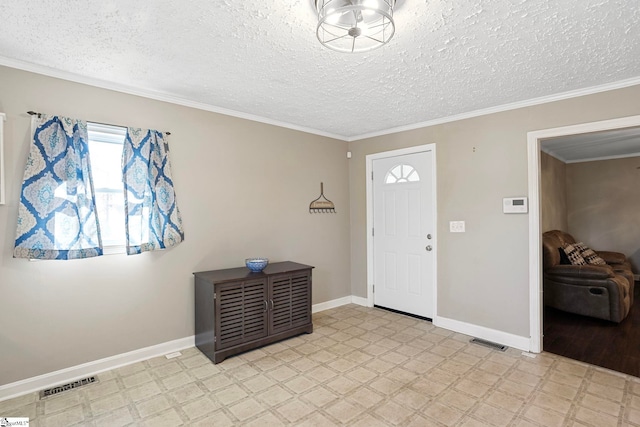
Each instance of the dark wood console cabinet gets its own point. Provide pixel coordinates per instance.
(237, 310)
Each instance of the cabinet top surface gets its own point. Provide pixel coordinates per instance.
(243, 273)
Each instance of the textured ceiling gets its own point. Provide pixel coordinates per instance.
(261, 59)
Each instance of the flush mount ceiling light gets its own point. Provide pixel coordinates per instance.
(355, 25)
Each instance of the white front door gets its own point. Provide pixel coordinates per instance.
(403, 234)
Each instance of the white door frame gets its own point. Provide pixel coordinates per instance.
(369, 169)
(535, 237)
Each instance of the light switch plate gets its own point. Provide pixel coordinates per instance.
(456, 226)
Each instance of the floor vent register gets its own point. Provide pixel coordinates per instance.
(69, 386)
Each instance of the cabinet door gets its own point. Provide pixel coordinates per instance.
(291, 296)
(241, 312)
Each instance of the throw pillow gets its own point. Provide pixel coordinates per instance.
(589, 254)
(573, 254)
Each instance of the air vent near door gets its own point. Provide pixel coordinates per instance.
(69, 386)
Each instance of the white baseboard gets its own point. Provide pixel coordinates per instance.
(327, 305)
(504, 338)
(30, 385)
(359, 301)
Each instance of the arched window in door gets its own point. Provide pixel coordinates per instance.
(401, 173)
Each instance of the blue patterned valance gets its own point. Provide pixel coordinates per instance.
(57, 214)
(152, 215)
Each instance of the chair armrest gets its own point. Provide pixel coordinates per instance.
(581, 271)
(612, 257)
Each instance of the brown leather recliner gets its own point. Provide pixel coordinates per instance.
(601, 291)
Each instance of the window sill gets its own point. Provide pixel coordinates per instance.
(106, 250)
(114, 250)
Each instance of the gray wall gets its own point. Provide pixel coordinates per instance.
(604, 205)
(243, 189)
(483, 274)
(553, 193)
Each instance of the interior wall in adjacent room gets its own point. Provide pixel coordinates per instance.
(553, 193)
(603, 205)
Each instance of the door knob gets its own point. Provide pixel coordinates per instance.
(429, 248)
(429, 236)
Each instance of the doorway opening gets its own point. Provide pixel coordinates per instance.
(562, 138)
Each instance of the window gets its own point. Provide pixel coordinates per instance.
(105, 148)
(402, 173)
(71, 164)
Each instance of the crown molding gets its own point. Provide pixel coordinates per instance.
(505, 107)
(157, 95)
(173, 99)
(585, 160)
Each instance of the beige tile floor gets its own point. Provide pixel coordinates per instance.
(360, 367)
